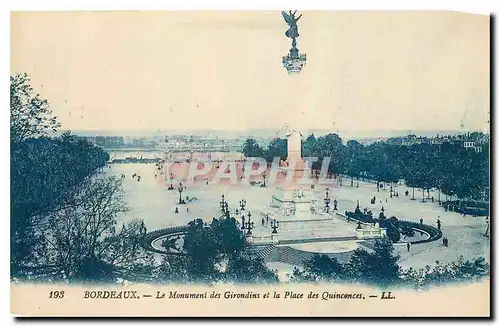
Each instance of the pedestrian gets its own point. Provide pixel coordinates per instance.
(439, 224)
(187, 209)
(262, 221)
(408, 246)
(176, 210)
(421, 221)
(432, 199)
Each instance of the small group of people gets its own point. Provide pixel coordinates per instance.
(177, 209)
(134, 175)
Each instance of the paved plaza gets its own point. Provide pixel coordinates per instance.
(149, 199)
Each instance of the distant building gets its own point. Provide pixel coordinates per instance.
(473, 141)
(412, 139)
(473, 146)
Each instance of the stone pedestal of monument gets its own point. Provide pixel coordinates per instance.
(293, 201)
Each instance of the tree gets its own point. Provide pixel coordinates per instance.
(392, 230)
(30, 115)
(330, 146)
(323, 268)
(277, 148)
(247, 269)
(378, 267)
(81, 242)
(46, 175)
(441, 274)
(215, 252)
(251, 149)
(203, 252)
(352, 162)
(308, 146)
(63, 210)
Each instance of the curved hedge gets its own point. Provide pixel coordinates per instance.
(147, 239)
(434, 233)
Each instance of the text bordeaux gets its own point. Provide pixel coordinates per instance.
(127, 295)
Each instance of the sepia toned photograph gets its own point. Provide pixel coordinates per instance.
(250, 163)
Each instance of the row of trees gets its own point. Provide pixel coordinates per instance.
(379, 267)
(448, 167)
(63, 207)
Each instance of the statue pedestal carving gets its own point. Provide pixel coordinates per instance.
(294, 64)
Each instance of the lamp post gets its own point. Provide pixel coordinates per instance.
(274, 226)
(264, 177)
(243, 203)
(250, 225)
(180, 189)
(243, 226)
(327, 201)
(222, 203)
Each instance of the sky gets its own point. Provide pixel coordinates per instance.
(365, 70)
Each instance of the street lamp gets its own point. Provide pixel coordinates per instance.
(274, 226)
(264, 177)
(243, 226)
(249, 225)
(243, 203)
(222, 201)
(180, 189)
(327, 201)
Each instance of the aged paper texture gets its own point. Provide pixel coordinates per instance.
(250, 163)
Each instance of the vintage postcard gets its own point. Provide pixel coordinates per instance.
(250, 163)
